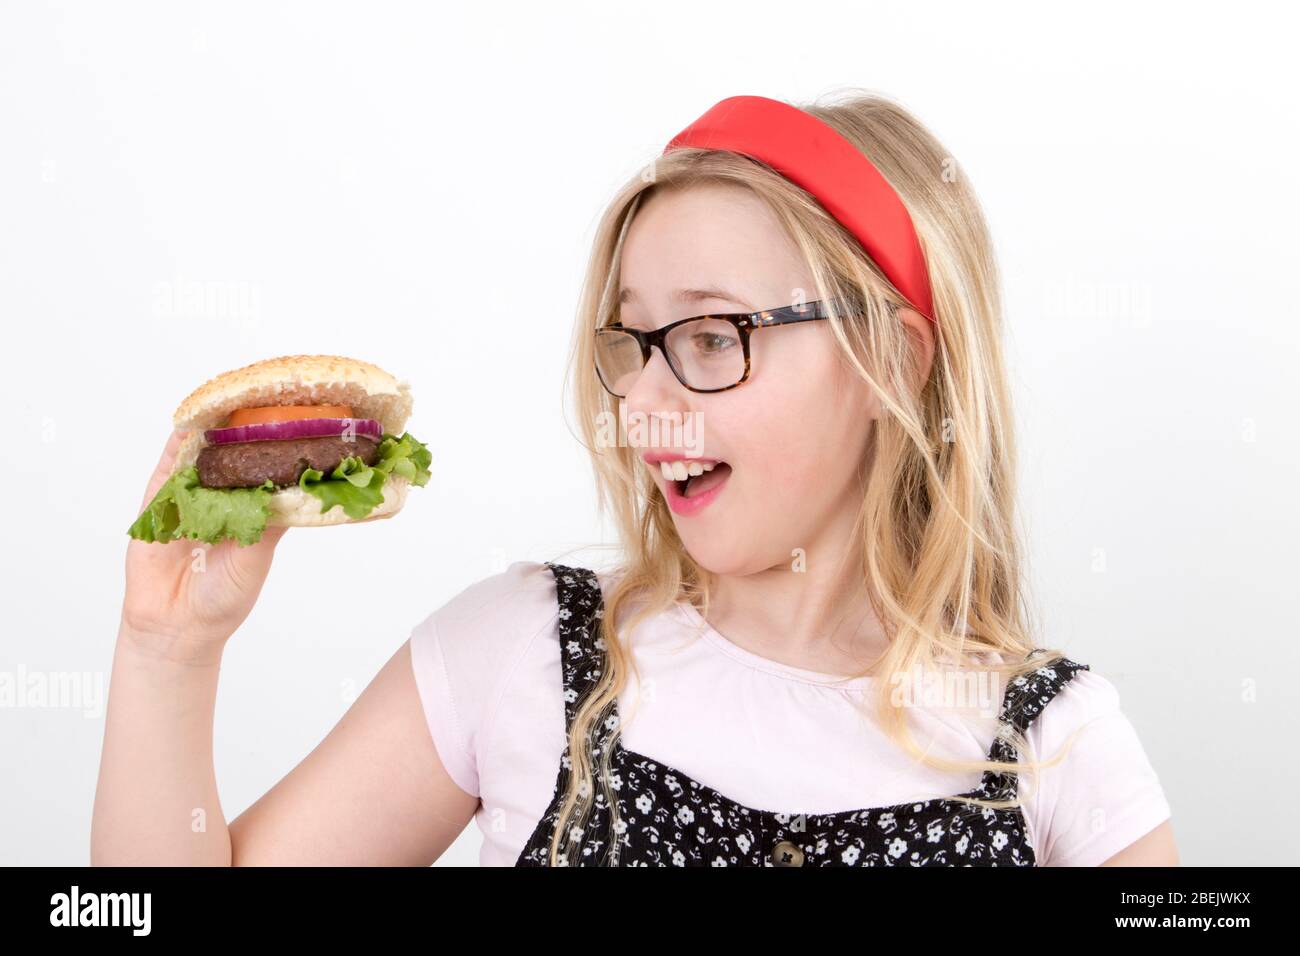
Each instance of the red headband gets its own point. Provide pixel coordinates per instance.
(817, 158)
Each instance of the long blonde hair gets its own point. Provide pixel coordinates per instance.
(937, 526)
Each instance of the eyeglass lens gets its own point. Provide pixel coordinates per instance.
(706, 354)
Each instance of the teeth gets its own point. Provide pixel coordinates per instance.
(680, 471)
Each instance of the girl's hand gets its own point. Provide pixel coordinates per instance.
(185, 598)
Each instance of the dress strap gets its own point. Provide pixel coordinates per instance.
(1025, 699)
(582, 656)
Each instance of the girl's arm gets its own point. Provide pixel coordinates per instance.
(374, 791)
(156, 801)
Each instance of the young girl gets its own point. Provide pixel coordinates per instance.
(814, 650)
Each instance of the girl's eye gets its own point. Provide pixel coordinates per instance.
(711, 343)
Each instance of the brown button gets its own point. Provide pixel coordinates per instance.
(786, 853)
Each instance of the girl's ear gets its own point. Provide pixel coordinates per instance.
(920, 331)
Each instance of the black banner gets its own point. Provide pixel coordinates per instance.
(308, 904)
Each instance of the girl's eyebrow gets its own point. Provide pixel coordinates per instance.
(693, 295)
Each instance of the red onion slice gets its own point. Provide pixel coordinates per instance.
(301, 428)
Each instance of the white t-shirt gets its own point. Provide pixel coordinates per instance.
(771, 736)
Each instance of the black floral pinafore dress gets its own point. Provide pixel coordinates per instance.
(665, 818)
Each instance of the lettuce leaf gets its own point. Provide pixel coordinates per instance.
(356, 487)
(183, 508)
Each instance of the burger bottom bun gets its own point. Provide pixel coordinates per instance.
(292, 507)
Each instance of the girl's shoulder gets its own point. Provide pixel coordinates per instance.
(1104, 793)
(503, 593)
(500, 614)
(487, 621)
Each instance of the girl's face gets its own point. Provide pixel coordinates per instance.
(794, 433)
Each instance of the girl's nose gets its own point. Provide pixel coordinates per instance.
(656, 388)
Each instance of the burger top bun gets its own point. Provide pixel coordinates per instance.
(299, 380)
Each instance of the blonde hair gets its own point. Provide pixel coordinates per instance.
(937, 526)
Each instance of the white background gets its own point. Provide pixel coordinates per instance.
(417, 185)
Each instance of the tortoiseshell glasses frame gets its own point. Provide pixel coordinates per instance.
(745, 323)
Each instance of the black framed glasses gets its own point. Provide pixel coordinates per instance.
(707, 353)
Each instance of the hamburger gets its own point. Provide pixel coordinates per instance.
(299, 441)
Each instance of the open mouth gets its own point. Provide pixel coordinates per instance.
(693, 479)
(693, 485)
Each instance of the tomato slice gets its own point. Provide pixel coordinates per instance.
(285, 413)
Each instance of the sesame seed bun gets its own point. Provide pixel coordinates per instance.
(301, 380)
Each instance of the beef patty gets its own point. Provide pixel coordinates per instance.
(247, 464)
